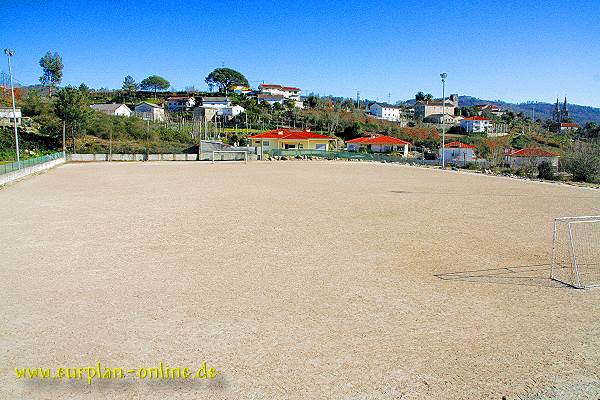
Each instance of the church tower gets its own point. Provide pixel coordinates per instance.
(556, 117)
(564, 113)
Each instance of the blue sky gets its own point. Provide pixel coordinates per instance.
(512, 50)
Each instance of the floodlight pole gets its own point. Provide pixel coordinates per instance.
(9, 53)
(443, 76)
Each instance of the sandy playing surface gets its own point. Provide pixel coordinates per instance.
(297, 280)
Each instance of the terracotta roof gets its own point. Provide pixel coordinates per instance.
(289, 134)
(533, 152)
(459, 145)
(476, 118)
(380, 139)
(569, 125)
(272, 86)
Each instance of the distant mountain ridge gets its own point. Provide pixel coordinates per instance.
(580, 114)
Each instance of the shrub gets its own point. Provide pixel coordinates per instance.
(546, 171)
(583, 162)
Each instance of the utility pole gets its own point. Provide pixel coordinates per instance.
(9, 53)
(443, 75)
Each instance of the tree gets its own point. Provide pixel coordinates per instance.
(420, 96)
(52, 67)
(224, 78)
(72, 107)
(154, 82)
(546, 171)
(428, 97)
(129, 86)
(32, 104)
(583, 162)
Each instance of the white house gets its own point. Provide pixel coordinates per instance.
(386, 112)
(149, 111)
(180, 103)
(458, 152)
(476, 124)
(215, 102)
(112, 109)
(531, 156)
(230, 112)
(7, 116)
(379, 144)
(288, 92)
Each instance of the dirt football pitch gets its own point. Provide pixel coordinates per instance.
(295, 280)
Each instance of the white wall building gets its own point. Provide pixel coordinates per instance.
(215, 102)
(386, 112)
(7, 116)
(180, 103)
(149, 112)
(230, 112)
(476, 124)
(113, 109)
(288, 92)
(530, 157)
(458, 152)
(271, 91)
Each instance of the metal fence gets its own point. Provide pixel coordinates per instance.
(30, 162)
(350, 155)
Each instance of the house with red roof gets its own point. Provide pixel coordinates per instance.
(379, 144)
(490, 108)
(286, 92)
(530, 156)
(291, 139)
(568, 127)
(458, 152)
(476, 124)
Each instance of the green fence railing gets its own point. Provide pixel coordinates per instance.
(350, 155)
(14, 166)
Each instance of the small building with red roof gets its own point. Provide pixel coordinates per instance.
(459, 152)
(379, 144)
(568, 126)
(476, 124)
(291, 139)
(530, 156)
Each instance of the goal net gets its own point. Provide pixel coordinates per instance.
(576, 251)
(229, 155)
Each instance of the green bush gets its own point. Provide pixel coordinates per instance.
(546, 171)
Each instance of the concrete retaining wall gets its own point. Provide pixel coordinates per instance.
(16, 175)
(138, 157)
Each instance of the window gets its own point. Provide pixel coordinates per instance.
(300, 146)
(321, 147)
(265, 143)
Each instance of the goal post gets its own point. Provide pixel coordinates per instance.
(229, 155)
(576, 251)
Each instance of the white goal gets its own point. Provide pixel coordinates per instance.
(229, 155)
(576, 251)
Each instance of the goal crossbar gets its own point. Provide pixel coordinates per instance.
(244, 154)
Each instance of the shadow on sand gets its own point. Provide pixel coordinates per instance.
(523, 275)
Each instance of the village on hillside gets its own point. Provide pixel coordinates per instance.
(279, 121)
